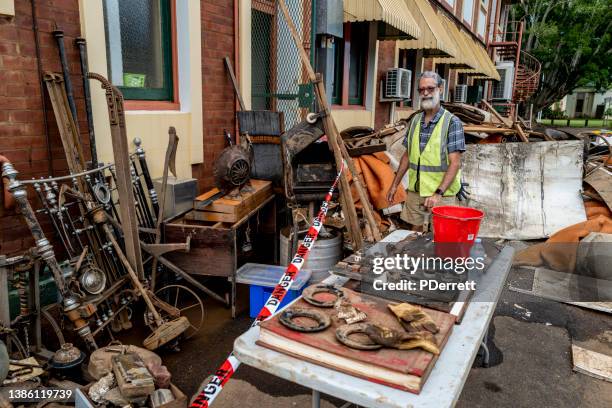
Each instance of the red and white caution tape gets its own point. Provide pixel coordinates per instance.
(208, 394)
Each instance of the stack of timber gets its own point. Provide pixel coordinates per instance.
(232, 208)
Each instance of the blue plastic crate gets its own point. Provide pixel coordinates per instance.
(262, 279)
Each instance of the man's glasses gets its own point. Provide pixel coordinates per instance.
(429, 89)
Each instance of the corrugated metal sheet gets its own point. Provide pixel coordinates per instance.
(434, 39)
(393, 12)
(463, 58)
(485, 65)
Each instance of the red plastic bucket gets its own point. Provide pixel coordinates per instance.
(454, 224)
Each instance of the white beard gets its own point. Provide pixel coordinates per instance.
(431, 103)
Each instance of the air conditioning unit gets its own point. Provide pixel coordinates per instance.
(502, 90)
(444, 91)
(461, 93)
(475, 93)
(398, 82)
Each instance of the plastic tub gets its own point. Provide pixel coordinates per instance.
(262, 279)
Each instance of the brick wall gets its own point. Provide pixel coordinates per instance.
(22, 130)
(386, 60)
(218, 94)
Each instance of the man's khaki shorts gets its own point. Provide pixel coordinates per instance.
(413, 210)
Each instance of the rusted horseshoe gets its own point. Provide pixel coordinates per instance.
(309, 294)
(343, 333)
(323, 320)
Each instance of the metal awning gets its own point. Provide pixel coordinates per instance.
(395, 13)
(485, 65)
(434, 40)
(463, 57)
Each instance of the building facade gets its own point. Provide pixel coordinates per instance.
(167, 56)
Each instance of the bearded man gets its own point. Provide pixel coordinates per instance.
(434, 142)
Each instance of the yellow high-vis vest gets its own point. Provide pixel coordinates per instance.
(428, 167)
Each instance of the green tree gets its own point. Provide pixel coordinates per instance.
(573, 41)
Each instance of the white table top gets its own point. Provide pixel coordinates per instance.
(446, 380)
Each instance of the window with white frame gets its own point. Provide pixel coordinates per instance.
(468, 11)
(450, 3)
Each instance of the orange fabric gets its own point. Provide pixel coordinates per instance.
(563, 257)
(595, 208)
(377, 175)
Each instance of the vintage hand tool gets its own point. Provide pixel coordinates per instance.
(82, 45)
(164, 332)
(129, 224)
(169, 164)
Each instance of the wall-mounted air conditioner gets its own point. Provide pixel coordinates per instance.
(460, 93)
(398, 82)
(502, 90)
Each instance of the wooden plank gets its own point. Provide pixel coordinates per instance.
(231, 210)
(207, 195)
(210, 216)
(499, 117)
(592, 363)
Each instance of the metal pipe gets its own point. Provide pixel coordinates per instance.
(41, 83)
(59, 37)
(82, 45)
(70, 176)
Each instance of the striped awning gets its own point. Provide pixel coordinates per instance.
(392, 12)
(485, 65)
(463, 58)
(434, 39)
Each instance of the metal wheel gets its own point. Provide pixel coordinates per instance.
(14, 347)
(187, 302)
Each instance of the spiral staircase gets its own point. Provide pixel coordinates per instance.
(506, 43)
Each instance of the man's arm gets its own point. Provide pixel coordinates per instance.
(401, 170)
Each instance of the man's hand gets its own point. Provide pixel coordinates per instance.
(432, 201)
(391, 194)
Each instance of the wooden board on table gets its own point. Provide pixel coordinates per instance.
(403, 369)
(229, 209)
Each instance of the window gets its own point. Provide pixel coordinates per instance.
(139, 48)
(357, 63)
(450, 3)
(350, 60)
(468, 11)
(338, 71)
(408, 60)
(482, 23)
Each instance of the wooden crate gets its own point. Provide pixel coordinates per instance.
(227, 209)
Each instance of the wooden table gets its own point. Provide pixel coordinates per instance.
(214, 250)
(444, 385)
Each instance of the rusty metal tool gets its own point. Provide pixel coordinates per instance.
(129, 224)
(169, 164)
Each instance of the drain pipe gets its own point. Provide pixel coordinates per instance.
(41, 84)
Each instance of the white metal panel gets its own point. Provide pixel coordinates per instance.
(527, 190)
